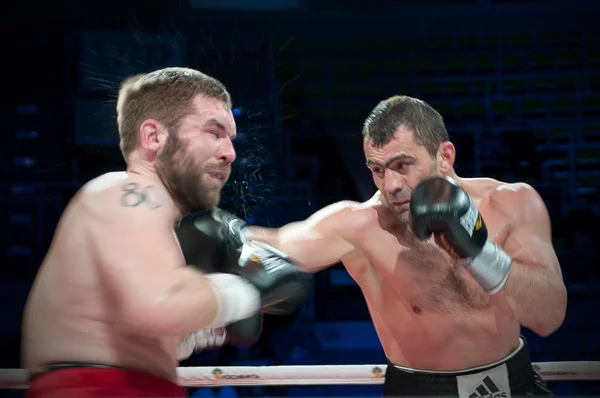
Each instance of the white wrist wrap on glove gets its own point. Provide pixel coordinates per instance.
(270, 249)
(268, 256)
(200, 340)
(490, 267)
(238, 299)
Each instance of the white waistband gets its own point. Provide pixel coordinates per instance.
(490, 365)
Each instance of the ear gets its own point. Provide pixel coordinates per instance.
(446, 156)
(152, 136)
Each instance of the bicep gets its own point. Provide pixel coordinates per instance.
(527, 247)
(530, 238)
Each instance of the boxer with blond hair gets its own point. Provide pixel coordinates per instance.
(114, 306)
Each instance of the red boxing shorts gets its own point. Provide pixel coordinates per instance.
(97, 382)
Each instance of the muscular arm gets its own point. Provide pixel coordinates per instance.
(316, 243)
(534, 292)
(143, 270)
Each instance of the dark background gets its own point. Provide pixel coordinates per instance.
(517, 82)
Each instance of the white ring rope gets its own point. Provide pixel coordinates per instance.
(315, 374)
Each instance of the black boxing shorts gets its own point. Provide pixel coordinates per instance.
(512, 377)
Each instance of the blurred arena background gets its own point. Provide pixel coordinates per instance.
(518, 83)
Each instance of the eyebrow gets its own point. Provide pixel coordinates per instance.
(395, 158)
(215, 123)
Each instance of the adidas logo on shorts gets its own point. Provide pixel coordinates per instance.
(487, 389)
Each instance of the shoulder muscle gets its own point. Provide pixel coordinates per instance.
(522, 204)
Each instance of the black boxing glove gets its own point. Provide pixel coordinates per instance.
(210, 237)
(208, 253)
(284, 288)
(439, 206)
(246, 332)
(214, 242)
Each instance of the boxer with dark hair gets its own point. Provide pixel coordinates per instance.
(450, 267)
(114, 305)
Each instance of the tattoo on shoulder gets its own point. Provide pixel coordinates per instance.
(133, 195)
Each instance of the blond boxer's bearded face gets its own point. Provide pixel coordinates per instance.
(397, 168)
(195, 161)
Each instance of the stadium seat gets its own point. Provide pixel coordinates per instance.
(396, 67)
(591, 133)
(561, 107)
(368, 68)
(456, 89)
(567, 84)
(551, 38)
(438, 43)
(503, 109)
(311, 66)
(568, 60)
(594, 57)
(541, 61)
(455, 65)
(514, 86)
(543, 84)
(341, 66)
(484, 63)
(467, 42)
(489, 42)
(533, 108)
(521, 41)
(562, 135)
(428, 89)
(472, 110)
(426, 66)
(591, 106)
(384, 45)
(513, 62)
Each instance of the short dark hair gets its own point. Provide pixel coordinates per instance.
(425, 122)
(166, 95)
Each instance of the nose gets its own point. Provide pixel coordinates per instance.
(227, 152)
(393, 182)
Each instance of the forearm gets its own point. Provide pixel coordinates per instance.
(531, 292)
(303, 246)
(184, 303)
(195, 301)
(270, 236)
(533, 296)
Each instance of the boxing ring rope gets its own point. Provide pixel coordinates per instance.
(316, 374)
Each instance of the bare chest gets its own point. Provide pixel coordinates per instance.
(419, 273)
(433, 281)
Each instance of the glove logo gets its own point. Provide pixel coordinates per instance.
(479, 223)
(447, 246)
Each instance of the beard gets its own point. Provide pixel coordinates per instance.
(183, 178)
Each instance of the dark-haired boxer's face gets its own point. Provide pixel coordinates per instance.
(397, 168)
(195, 161)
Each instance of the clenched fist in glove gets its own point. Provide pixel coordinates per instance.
(214, 241)
(440, 207)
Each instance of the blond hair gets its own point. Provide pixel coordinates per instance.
(165, 95)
